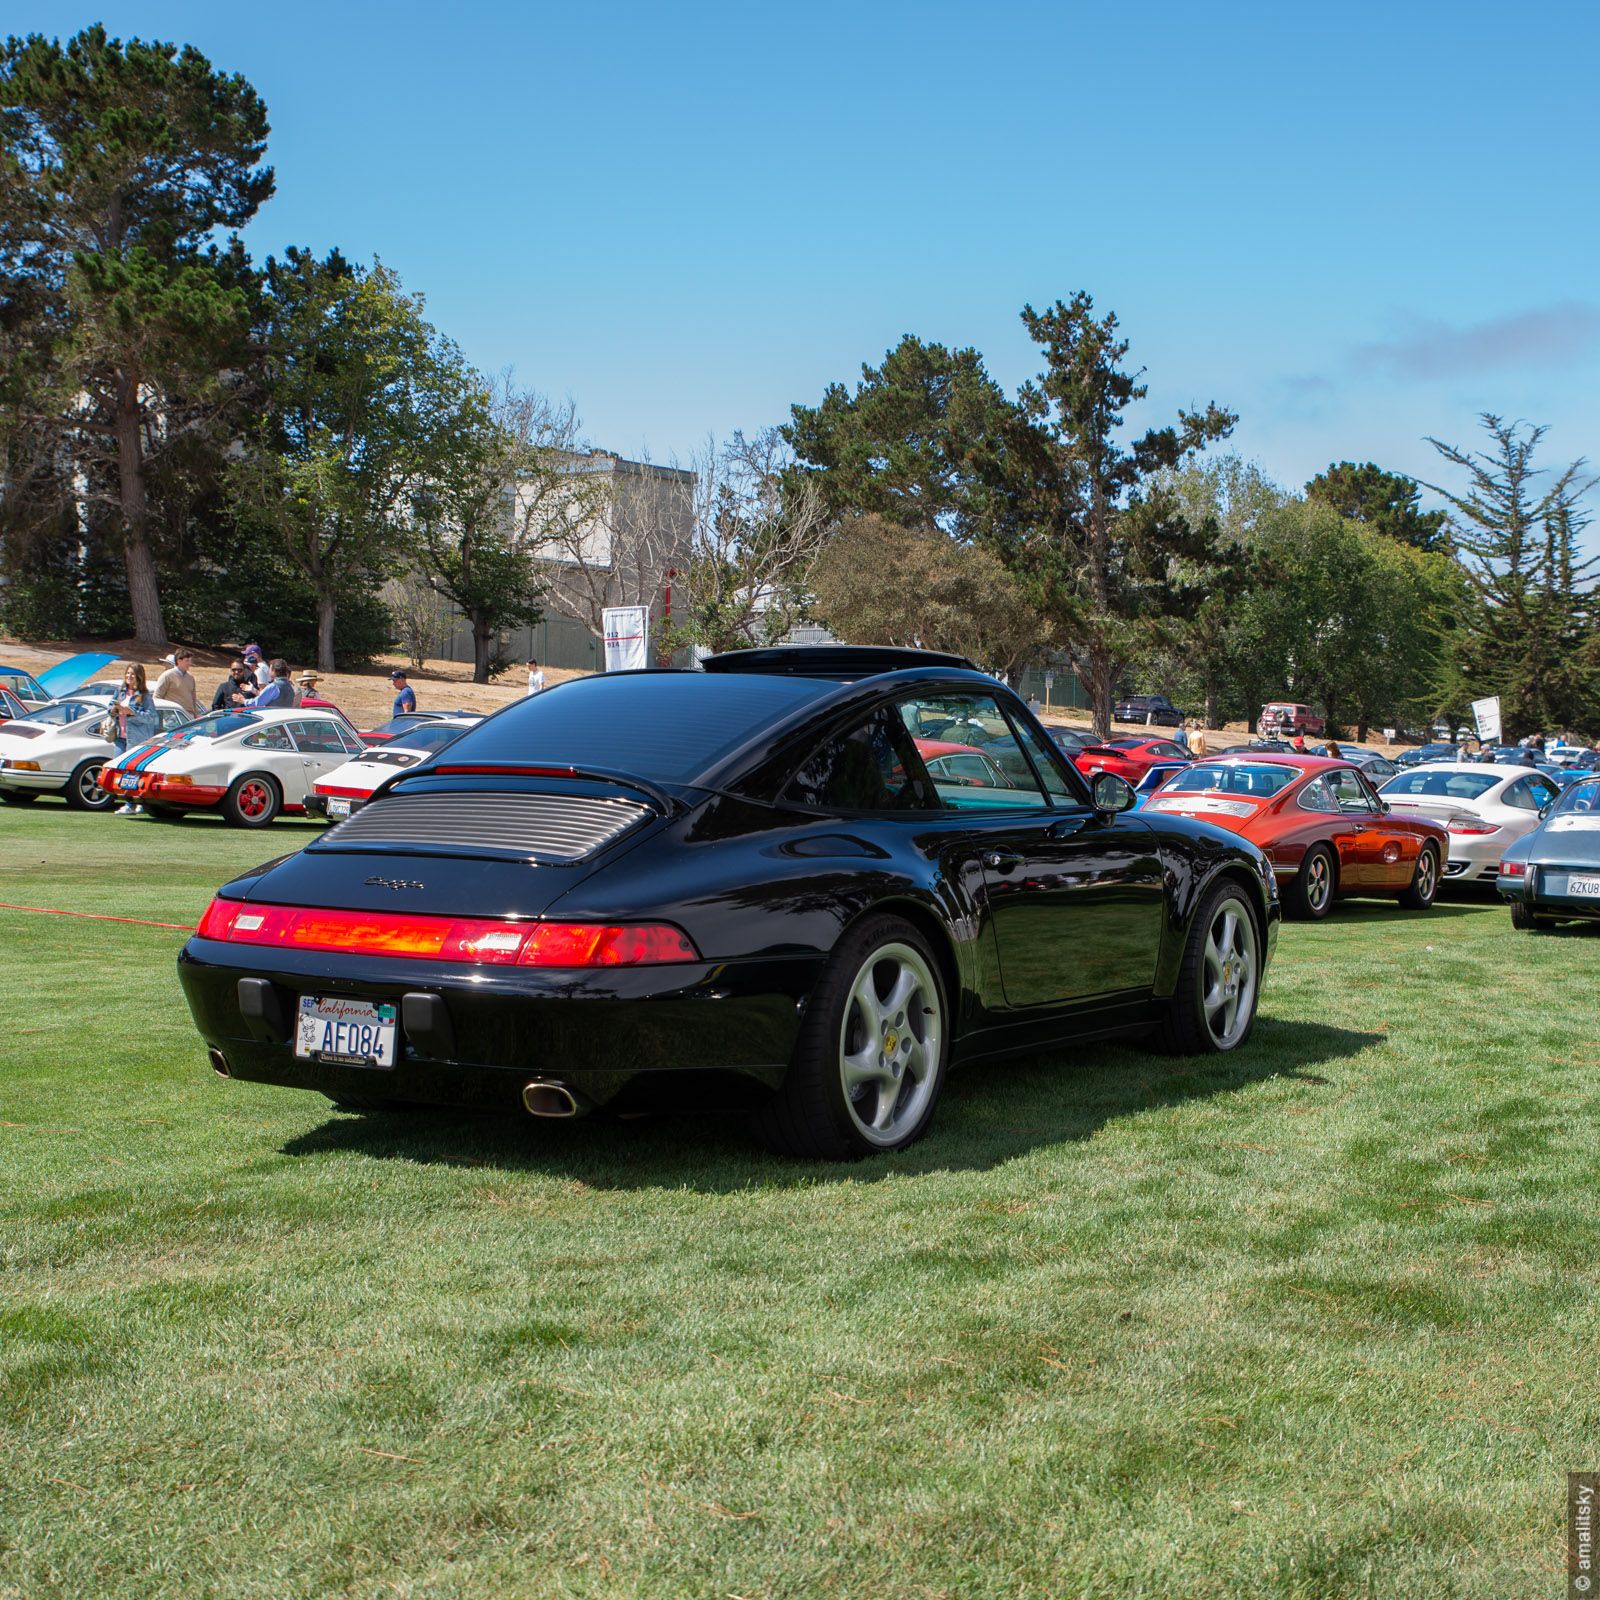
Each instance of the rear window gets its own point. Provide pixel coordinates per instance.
(1444, 785)
(1232, 777)
(667, 726)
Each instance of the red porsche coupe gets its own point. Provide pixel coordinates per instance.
(1322, 825)
(1129, 758)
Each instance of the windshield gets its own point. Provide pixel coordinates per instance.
(1443, 785)
(1582, 796)
(61, 712)
(212, 727)
(1256, 779)
(667, 726)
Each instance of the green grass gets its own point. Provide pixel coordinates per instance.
(1315, 1322)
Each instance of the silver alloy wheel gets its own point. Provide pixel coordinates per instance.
(890, 1043)
(1425, 873)
(1232, 969)
(1319, 881)
(89, 790)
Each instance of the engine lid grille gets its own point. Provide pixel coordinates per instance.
(557, 829)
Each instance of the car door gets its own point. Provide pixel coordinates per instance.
(1074, 901)
(1351, 826)
(1386, 844)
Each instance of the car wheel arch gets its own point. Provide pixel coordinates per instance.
(933, 929)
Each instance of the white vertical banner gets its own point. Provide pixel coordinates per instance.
(1486, 713)
(627, 636)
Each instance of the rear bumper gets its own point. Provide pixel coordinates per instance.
(317, 806)
(1533, 889)
(717, 1031)
(34, 782)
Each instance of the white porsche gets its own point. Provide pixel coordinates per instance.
(57, 749)
(347, 788)
(249, 765)
(1483, 809)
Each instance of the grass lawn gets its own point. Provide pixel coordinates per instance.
(1316, 1322)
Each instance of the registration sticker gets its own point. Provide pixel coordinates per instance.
(347, 1033)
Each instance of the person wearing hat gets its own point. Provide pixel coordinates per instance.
(405, 696)
(307, 684)
(257, 663)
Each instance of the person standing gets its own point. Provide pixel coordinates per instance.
(279, 694)
(177, 683)
(237, 687)
(405, 698)
(134, 711)
(307, 683)
(257, 664)
(535, 677)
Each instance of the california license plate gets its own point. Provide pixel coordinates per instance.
(338, 810)
(128, 780)
(347, 1033)
(1583, 888)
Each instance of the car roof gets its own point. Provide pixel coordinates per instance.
(843, 663)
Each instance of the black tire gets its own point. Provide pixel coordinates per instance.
(1419, 894)
(1526, 920)
(1310, 895)
(18, 797)
(83, 789)
(1213, 1008)
(857, 1010)
(252, 800)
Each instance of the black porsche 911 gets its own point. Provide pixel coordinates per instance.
(740, 887)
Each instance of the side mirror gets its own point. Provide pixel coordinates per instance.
(1544, 810)
(1111, 794)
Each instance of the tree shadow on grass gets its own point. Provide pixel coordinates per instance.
(991, 1113)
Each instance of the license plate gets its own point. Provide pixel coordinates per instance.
(1584, 888)
(347, 1033)
(128, 780)
(339, 809)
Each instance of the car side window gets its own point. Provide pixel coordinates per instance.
(172, 719)
(872, 767)
(317, 737)
(1528, 794)
(1318, 796)
(975, 724)
(1350, 792)
(275, 737)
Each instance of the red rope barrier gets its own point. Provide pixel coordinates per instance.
(98, 916)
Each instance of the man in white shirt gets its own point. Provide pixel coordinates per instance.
(535, 677)
(258, 665)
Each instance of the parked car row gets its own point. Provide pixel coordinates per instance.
(248, 765)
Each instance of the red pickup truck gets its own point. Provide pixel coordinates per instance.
(1284, 718)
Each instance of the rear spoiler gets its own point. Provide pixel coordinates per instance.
(844, 663)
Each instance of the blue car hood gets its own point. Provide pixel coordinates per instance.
(72, 673)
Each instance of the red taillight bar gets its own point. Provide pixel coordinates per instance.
(429, 938)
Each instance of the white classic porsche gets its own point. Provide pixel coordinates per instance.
(57, 749)
(347, 788)
(249, 765)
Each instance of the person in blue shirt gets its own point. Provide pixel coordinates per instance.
(405, 697)
(279, 692)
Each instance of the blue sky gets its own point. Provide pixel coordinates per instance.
(1356, 225)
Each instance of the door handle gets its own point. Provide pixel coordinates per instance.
(1002, 861)
(1066, 827)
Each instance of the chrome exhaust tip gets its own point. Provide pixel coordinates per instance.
(546, 1099)
(219, 1063)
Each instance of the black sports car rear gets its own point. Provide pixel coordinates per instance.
(739, 885)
